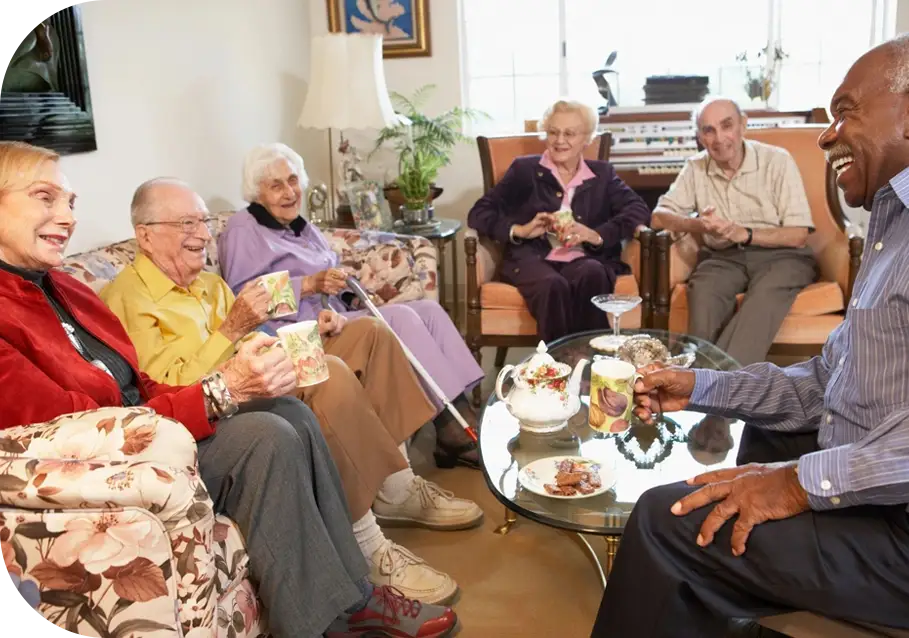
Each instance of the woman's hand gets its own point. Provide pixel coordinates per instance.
(330, 282)
(251, 374)
(577, 233)
(330, 323)
(535, 227)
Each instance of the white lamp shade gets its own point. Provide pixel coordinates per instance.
(347, 84)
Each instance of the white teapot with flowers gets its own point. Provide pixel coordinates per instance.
(545, 394)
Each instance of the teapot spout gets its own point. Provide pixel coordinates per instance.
(574, 382)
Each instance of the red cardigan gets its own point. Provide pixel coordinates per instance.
(43, 376)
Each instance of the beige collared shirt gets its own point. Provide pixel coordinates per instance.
(766, 192)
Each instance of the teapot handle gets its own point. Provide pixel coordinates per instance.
(501, 379)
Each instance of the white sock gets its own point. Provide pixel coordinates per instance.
(396, 487)
(368, 534)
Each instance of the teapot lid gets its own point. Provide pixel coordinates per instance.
(542, 364)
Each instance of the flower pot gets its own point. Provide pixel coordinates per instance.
(396, 200)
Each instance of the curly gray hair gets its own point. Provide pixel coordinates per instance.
(258, 166)
(898, 73)
(587, 113)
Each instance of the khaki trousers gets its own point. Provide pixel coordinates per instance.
(770, 278)
(371, 403)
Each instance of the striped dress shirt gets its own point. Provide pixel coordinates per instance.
(856, 393)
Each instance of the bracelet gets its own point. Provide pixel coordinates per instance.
(223, 404)
(511, 235)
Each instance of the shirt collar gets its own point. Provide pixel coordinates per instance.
(900, 185)
(584, 172)
(158, 283)
(264, 218)
(749, 162)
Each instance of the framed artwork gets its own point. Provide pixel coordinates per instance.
(403, 24)
(368, 205)
(45, 97)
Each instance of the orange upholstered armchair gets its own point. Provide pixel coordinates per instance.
(496, 313)
(837, 246)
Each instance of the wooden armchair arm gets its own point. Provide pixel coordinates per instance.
(662, 288)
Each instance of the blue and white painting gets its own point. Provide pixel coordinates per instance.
(401, 23)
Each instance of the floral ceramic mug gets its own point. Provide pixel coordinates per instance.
(611, 395)
(283, 300)
(302, 343)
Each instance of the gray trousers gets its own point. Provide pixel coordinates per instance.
(269, 469)
(770, 278)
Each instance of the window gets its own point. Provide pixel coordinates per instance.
(521, 54)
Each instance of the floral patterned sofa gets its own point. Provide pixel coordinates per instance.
(105, 525)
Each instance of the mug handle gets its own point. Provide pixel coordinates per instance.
(501, 379)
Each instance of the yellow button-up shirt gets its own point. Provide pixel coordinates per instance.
(174, 329)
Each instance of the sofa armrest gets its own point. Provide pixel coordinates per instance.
(72, 567)
(396, 268)
(105, 434)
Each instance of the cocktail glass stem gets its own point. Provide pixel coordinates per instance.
(616, 316)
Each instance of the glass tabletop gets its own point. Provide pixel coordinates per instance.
(681, 445)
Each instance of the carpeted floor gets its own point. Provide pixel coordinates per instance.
(536, 582)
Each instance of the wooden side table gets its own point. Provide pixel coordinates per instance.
(446, 233)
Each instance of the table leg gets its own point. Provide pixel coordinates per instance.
(596, 560)
(612, 546)
(440, 251)
(510, 519)
(456, 311)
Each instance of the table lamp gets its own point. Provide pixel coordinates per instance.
(346, 91)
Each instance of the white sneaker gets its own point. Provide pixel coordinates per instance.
(397, 567)
(428, 505)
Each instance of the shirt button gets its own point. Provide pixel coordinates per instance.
(835, 500)
(855, 302)
(842, 361)
(826, 485)
(829, 418)
(559, 194)
(878, 246)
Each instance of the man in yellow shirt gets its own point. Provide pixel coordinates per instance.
(184, 322)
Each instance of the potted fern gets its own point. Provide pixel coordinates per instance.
(423, 147)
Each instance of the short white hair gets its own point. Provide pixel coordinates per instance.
(145, 206)
(713, 99)
(258, 164)
(898, 73)
(565, 105)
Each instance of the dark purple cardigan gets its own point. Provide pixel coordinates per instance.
(605, 204)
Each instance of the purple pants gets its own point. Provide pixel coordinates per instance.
(430, 335)
(558, 294)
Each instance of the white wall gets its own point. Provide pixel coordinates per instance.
(462, 181)
(183, 88)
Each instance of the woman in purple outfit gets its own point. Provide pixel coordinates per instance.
(271, 235)
(557, 273)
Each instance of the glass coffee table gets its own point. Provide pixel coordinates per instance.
(681, 445)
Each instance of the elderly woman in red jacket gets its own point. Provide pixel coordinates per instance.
(558, 265)
(261, 455)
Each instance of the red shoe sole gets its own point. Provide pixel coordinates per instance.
(381, 633)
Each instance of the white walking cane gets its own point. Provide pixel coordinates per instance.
(358, 290)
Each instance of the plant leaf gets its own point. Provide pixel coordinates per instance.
(19, 551)
(139, 581)
(106, 424)
(93, 619)
(164, 476)
(10, 483)
(63, 598)
(121, 605)
(73, 578)
(11, 446)
(197, 511)
(139, 626)
(35, 530)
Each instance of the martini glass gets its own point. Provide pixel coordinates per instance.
(616, 306)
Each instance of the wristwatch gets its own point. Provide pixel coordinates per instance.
(747, 242)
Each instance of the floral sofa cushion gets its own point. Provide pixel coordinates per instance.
(395, 268)
(108, 530)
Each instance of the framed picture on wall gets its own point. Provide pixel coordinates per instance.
(403, 24)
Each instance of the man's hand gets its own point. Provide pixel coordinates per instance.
(540, 223)
(330, 323)
(250, 310)
(330, 281)
(250, 375)
(756, 492)
(661, 390)
(577, 233)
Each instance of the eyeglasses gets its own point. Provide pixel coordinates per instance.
(569, 134)
(188, 225)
